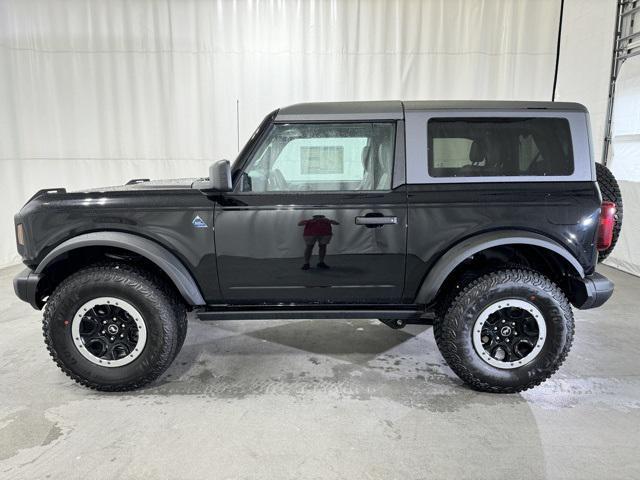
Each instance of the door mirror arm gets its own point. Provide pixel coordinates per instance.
(219, 180)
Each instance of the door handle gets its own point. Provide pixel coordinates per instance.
(376, 220)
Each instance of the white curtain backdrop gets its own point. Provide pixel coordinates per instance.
(95, 92)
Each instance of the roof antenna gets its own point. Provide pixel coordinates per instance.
(555, 74)
(238, 122)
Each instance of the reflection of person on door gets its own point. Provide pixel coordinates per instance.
(316, 229)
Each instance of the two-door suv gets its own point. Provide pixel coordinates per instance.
(482, 218)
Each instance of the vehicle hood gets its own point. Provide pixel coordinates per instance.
(173, 183)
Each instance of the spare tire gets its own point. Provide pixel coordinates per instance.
(610, 191)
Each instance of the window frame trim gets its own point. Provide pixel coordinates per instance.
(417, 146)
(397, 149)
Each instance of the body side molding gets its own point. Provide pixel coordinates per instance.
(463, 250)
(160, 256)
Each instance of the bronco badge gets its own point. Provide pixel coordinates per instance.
(198, 222)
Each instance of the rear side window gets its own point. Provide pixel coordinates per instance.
(496, 147)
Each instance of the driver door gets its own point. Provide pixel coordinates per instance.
(313, 218)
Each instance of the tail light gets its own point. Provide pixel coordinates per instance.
(606, 224)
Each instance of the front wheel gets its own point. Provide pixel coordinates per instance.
(113, 327)
(507, 331)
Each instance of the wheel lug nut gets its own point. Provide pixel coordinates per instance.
(495, 328)
(503, 321)
(103, 332)
(104, 321)
(122, 335)
(507, 339)
(113, 338)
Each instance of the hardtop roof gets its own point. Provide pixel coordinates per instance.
(394, 109)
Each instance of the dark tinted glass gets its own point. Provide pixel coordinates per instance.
(494, 147)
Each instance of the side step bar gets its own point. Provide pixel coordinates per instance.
(410, 316)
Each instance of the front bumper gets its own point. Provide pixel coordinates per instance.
(25, 284)
(593, 290)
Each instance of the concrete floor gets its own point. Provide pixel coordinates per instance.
(323, 399)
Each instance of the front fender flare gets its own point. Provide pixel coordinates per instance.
(152, 251)
(463, 250)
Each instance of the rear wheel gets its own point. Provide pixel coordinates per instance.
(507, 331)
(113, 327)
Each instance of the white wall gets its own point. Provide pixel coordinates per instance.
(95, 93)
(585, 60)
(625, 164)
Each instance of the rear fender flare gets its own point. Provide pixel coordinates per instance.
(463, 250)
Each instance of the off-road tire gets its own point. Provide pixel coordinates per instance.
(453, 331)
(163, 313)
(610, 191)
(180, 314)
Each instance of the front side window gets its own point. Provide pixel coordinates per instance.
(322, 157)
(494, 147)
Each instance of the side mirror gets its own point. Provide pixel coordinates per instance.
(219, 178)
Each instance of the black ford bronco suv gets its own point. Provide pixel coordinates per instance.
(484, 219)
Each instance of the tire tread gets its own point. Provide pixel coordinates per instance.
(446, 329)
(154, 289)
(610, 191)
